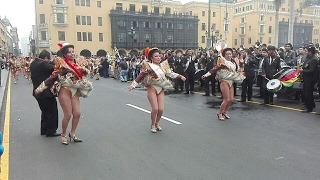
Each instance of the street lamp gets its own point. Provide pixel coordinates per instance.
(206, 34)
(132, 33)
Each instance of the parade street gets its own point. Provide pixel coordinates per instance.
(258, 142)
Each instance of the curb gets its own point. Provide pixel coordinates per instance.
(4, 79)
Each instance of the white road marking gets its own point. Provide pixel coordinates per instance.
(165, 118)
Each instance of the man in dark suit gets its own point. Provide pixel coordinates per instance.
(189, 71)
(271, 65)
(40, 70)
(249, 65)
(178, 68)
(309, 72)
(211, 62)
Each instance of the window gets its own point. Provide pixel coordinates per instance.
(169, 25)
(203, 39)
(119, 6)
(191, 27)
(190, 13)
(249, 41)
(99, 4)
(213, 27)
(79, 36)
(283, 9)
(42, 19)
(121, 23)
(168, 10)
(122, 37)
(270, 29)
(270, 18)
(261, 39)
(242, 41)
(243, 20)
(144, 8)
(99, 21)
(146, 24)
(78, 21)
(60, 18)
(203, 26)
(59, 2)
(269, 40)
(226, 27)
(261, 28)
(61, 35)
(135, 24)
(242, 31)
(88, 3)
(132, 8)
(101, 37)
(83, 2)
(88, 20)
(235, 30)
(147, 38)
(158, 37)
(156, 10)
(77, 2)
(203, 13)
(261, 17)
(43, 35)
(83, 20)
(84, 36)
(235, 42)
(40, 1)
(180, 26)
(249, 28)
(89, 36)
(158, 25)
(213, 14)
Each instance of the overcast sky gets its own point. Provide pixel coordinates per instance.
(21, 14)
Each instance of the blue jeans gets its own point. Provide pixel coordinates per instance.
(123, 75)
(105, 72)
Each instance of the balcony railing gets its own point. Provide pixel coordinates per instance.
(43, 26)
(44, 44)
(142, 45)
(61, 24)
(261, 22)
(134, 13)
(59, 5)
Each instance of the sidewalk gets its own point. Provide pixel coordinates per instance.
(4, 79)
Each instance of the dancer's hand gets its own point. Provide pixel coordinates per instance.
(36, 92)
(130, 88)
(183, 78)
(203, 77)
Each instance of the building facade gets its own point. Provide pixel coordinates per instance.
(95, 27)
(9, 38)
(3, 39)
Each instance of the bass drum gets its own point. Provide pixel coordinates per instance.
(274, 86)
(198, 74)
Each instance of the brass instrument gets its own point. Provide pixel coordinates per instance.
(221, 44)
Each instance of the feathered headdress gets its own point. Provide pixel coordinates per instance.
(146, 52)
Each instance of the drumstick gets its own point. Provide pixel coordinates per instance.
(278, 72)
(267, 78)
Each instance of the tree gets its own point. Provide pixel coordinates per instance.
(277, 4)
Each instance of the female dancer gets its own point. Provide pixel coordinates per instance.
(153, 76)
(227, 75)
(69, 83)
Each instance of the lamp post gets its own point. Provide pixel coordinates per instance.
(132, 33)
(207, 35)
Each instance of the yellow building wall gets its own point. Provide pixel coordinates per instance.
(3, 39)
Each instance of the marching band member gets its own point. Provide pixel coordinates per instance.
(226, 73)
(189, 71)
(271, 65)
(27, 68)
(69, 83)
(153, 76)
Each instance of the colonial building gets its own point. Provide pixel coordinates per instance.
(9, 38)
(95, 27)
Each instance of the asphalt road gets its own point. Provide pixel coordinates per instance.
(257, 143)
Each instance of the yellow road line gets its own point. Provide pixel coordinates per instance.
(4, 175)
(255, 102)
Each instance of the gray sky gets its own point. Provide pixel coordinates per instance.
(21, 14)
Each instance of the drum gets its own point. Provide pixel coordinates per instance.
(274, 85)
(284, 73)
(198, 74)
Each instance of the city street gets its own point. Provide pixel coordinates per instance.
(258, 142)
